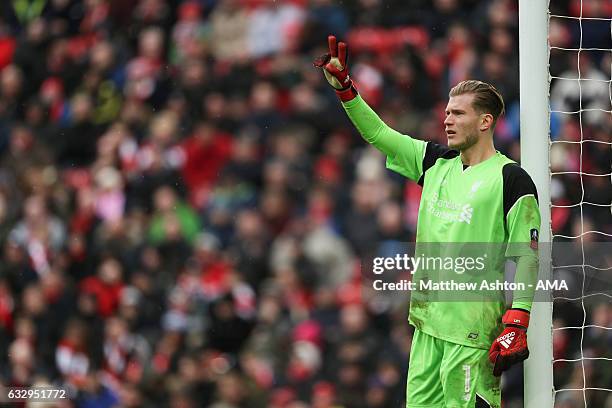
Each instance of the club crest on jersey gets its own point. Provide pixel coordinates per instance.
(534, 238)
(476, 186)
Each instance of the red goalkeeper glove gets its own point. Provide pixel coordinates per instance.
(510, 347)
(335, 67)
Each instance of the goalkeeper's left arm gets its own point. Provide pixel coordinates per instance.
(523, 226)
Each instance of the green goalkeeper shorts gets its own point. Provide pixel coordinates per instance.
(448, 375)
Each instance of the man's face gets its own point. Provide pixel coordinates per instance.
(462, 122)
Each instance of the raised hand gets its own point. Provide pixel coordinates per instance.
(335, 64)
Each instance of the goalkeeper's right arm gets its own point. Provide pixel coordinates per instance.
(405, 155)
(372, 128)
(367, 122)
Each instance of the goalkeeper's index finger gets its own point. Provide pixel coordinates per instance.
(333, 49)
(342, 54)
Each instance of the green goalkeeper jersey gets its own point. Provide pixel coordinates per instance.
(493, 202)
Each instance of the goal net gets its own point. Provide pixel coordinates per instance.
(580, 62)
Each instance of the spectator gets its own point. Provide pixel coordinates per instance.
(172, 217)
(229, 31)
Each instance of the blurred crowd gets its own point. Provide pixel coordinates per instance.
(184, 206)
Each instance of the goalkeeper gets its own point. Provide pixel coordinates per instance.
(471, 193)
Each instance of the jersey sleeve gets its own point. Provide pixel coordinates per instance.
(522, 217)
(405, 155)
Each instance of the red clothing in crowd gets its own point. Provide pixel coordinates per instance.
(72, 361)
(7, 48)
(106, 295)
(204, 159)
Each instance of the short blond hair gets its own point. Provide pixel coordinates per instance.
(487, 99)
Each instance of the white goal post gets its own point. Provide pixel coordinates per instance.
(535, 147)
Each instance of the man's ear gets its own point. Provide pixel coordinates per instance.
(486, 121)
